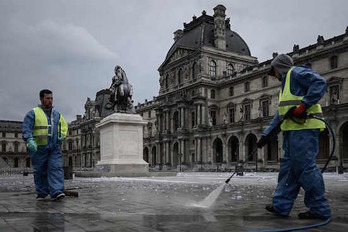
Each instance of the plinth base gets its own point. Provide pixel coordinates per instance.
(123, 168)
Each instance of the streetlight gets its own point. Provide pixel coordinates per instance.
(180, 155)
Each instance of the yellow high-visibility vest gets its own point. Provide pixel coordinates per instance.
(40, 130)
(288, 100)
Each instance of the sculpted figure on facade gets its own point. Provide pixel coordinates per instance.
(121, 92)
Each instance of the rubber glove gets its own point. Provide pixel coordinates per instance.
(61, 139)
(31, 144)
(262, 142)
(300, 111)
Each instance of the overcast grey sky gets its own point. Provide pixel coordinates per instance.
(72, 46)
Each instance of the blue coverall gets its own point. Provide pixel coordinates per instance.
(47, 160)
(298, 166)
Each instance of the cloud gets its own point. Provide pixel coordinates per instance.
(61, 57)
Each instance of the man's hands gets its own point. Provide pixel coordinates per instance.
(298, 112)
(61, 139)
(262, 142)
(31, 144)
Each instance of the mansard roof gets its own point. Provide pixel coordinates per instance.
(200, 32)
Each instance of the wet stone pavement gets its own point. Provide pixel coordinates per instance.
(161, 204)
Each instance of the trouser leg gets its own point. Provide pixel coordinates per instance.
(287, 188)
(55, 172)
(306, 142)
(39, 162)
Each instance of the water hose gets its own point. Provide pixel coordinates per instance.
(322, 170)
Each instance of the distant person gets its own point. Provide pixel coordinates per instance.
(302, 88)
(44, 130)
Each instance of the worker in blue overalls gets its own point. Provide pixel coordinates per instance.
(302, 88)
(44, 130)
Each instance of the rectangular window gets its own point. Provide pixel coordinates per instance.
(265, 108)
(213, 117)
(231, 91)
(247, 112)
(16, 135)
(3, 147)
(16, 147)
(149, 114)
(334, 94)
(333, 62)
(3, 134)
(231, 114)
(193, 121)
(212, 94)
(247, 86)
(265, 81)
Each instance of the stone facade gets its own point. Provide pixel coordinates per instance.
(13, 149)
(214, 100)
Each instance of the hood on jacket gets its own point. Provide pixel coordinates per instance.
(282, 63)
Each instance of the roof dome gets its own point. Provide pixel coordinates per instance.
(200, 32)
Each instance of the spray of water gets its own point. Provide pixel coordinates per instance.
(211, 198)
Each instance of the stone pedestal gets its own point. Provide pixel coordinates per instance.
(121, 145)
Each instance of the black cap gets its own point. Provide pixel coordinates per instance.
(271, 72)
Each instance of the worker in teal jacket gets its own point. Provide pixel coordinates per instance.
(302, 88)
(44, 130)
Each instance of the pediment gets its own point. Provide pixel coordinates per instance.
(335, 80)
(178, 54)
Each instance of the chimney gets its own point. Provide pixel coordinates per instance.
(177, 34)
(220, 27)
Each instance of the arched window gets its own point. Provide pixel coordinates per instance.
(16, 162)
(27, 162)
(180, 77)
(194, 71)
(16, 146)
(212, 69)
(230, 69)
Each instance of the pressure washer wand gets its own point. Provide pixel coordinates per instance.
(275, 130)
(251, 154)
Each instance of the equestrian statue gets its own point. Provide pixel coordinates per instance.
(121, 92)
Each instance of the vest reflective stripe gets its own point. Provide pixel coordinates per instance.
(288, 100)
(40, 130)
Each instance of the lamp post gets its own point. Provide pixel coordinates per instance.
(180, 155)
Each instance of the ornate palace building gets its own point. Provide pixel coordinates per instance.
(214, 101)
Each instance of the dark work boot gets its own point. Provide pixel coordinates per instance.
(271, 209)
(309, 215)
